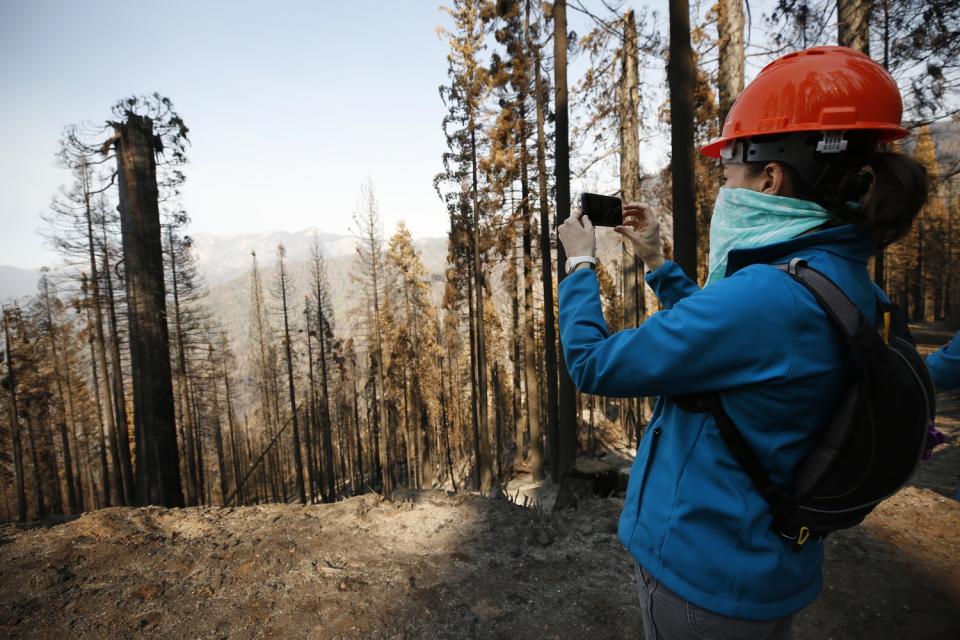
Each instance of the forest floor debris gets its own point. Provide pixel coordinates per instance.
(434, 565)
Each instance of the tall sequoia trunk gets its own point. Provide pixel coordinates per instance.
(15, 423)
(731, 54)
(681, 78)
(853, 24)
(157, 474)
(564, 435)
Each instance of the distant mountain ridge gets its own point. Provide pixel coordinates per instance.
(224, 257)
(225, 262)
(16, 282)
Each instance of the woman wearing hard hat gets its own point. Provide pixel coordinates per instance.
(804, 178)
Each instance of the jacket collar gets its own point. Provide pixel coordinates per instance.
(844, 241)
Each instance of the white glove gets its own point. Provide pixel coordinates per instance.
(642, 228)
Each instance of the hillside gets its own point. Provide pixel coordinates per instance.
(229, 257)
(432, 565)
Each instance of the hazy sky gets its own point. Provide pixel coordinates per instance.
(291, 105)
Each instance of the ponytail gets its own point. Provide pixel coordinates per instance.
(896, 196)
(881, 193)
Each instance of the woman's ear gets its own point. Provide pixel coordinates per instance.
(774, 180)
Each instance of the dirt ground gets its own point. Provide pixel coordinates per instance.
(431, 565)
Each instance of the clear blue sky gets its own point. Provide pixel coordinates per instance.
(291, 105)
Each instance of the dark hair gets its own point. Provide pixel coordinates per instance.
(895, 187)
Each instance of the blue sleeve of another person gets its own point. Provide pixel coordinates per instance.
(944, 365)
(707, 340)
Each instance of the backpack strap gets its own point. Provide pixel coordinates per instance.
(742, 452)
(834, 301)
(846, 316)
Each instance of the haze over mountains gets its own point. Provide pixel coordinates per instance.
(16, 282)
(225, 262)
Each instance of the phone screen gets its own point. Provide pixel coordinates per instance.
(604, 211)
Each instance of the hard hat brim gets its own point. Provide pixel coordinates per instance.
(887, 132)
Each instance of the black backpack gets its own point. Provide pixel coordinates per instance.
(874, 441)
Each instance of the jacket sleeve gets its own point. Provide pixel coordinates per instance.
(720, 337)
(671, 284)
(944, 365)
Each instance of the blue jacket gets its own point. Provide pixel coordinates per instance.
(944, 365)
(692, 517)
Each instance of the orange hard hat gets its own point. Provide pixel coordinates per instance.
(818, 89)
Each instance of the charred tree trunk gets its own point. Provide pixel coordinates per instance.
(104, 469)
(231, 423)
(119, 397)
(681, 78)
(193, 488)
(531, 374)
(107, 400)
(634, 301)
(731, 52)
(297, 456)
(485, 465)
(312, 420)
(157, 476)
(853, 24)
(15, 422)
(565, 435)
(39, 502)
(519, 429)
(630, 164)
(62, 416)
(546, 259)
(331, 492)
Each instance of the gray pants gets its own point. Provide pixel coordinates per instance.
(667, 616)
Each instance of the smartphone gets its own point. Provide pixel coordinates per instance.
(604, 211)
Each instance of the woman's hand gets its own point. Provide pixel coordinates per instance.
(578, 236)
(642, 228)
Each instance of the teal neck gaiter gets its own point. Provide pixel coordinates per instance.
(745, 219)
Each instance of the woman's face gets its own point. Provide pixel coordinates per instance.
(771, 179)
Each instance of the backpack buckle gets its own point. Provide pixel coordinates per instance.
(795, 265)
(802, 537)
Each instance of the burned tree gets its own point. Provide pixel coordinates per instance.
(136, 143)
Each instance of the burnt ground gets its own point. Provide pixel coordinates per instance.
(432, 565)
